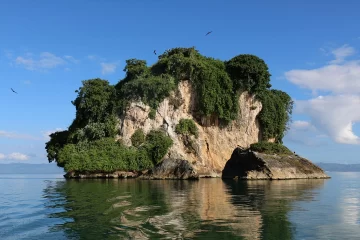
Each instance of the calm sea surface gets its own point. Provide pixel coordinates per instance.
(50, 207)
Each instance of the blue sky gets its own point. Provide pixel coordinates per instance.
(48, 47)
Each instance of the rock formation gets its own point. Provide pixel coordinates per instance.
(117, 174)
(172, 169)
(209, 152)
(245, 164)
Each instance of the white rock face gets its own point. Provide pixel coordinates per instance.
(214, 145)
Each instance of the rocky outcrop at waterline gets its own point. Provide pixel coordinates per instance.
(246, 164)
(243, 164)
(166, 169)
(116, 174)
(172, 169)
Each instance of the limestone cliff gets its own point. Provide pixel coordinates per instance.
(209, 152)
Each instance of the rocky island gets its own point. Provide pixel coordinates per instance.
(181, 118)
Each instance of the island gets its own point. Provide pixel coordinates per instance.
(180, 118)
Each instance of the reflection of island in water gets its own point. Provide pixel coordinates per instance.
(205, 209)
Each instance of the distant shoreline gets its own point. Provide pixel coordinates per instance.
(30, 168)
(339, 167)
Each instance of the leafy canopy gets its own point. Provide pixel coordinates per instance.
(108, 155)
(249, 73)
(270, 148)
(95, 102)
(275, 114)
(187, 127)
(138, 137)
(95, 118)
(208, 76)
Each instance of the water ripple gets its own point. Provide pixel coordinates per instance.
(41, 208)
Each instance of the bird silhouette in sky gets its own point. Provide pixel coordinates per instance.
(155, 52)
(208, 33)
(13, 90)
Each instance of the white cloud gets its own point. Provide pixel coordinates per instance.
(67, 69)
(17, 156)
(335, 113)
(107, 68)
(71, 59)
(341, 53)
(14, 156)
(305, 133)
(16, 135)
(335, 78)
(46, 60)
(46, 134)
(301, 125)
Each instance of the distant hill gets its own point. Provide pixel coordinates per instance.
(338, 167)
(26, 168)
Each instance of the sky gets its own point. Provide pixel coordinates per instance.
(311, 47)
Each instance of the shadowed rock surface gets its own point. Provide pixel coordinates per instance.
(245, 164)
(172, 169)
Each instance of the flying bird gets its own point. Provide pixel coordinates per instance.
(155, 52)
(13, 90)
(208, 33)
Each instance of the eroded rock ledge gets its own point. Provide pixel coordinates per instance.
(245, 164)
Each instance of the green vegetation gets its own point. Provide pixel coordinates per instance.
(152, 114)
(96, 102)
(187, 127)
(149, 89)
(57, 141)
(217, 85)
(270, 148)
(89, 144)
(214, 88)
(138, 137)
(249, 73)
(157, 145)
(275, 114)
(107, 155)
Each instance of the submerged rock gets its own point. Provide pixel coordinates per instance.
(245, 164)
(172, 169)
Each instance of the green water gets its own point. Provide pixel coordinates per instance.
(48, 208)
